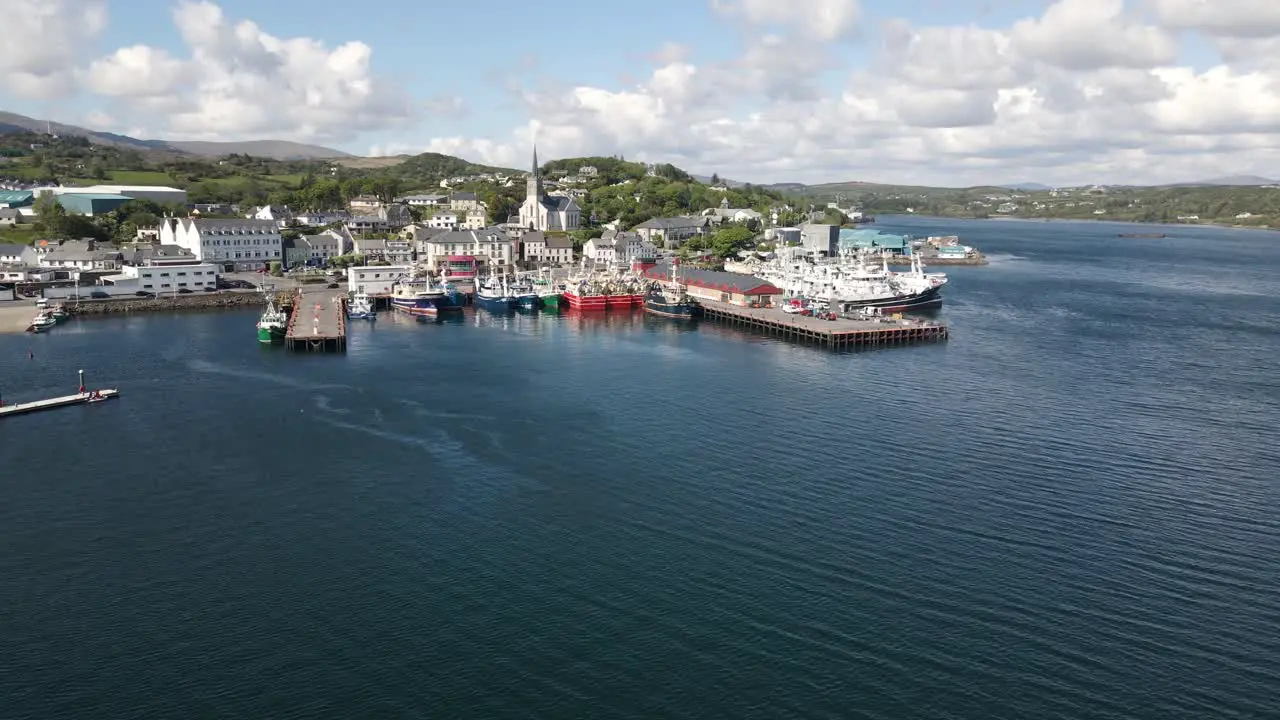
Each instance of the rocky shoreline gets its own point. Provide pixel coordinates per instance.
(212, 301)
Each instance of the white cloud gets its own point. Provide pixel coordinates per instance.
(1085, 90)
(241, 81)
(43, 43)
(1225, 18)
(819, 20)
(1092, 34)
(137, 71)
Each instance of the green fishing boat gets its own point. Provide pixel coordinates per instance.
(272, 324)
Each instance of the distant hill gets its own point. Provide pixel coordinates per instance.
(1027, 186)
(1231, 181)
(274, 149)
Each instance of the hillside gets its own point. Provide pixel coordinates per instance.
(275, 149)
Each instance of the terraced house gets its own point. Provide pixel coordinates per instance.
(233, 245)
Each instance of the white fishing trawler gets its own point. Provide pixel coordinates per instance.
(848, 282)
(361, 308)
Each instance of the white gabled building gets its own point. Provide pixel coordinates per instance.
(376, 279)
(234, 245)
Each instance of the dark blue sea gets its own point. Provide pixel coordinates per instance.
(1069, 510)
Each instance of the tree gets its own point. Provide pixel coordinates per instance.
(729, 240)
(49, 212)
(275, 268)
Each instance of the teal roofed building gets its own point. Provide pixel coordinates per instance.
(91, 203)
(16, 198)
(866, 239)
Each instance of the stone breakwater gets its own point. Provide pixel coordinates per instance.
(212, 301)
(978, 259)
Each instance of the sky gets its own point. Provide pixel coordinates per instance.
(928, 92)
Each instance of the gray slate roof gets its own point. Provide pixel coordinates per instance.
(219, 225)
(672, 223)
(464, 196)
(13, 250)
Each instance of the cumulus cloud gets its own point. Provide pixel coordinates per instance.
(1223, 18)
(43, 44)
(240, 81)
(820, 20)
(1085, 91)
(1080, 91)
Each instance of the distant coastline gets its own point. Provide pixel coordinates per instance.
(1007, 218)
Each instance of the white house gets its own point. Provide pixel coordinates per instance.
(366, 223)
(83, 255)
(16, 254)
(488, 245)
(316, 249)
(447, 220)
(559, 250)
(475, 219)
(544, 212)
(365, 203)
(235, 245)
(376, 279)
(600, 250)
(278, 214)
(671, 232)
(425, 200)
(631, 246)
(533, 246)
(324, 217)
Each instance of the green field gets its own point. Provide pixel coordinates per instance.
(20, 235)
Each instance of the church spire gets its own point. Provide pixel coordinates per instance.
(533, 188)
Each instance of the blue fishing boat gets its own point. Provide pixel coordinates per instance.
(670, 298)
(419, 297)
(494, 294)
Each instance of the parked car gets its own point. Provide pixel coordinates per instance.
(99, 295)
(184, 291)
(333, 286)
(210, 288)
(145, 293)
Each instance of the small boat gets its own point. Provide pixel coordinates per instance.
(361, 308)
(60, 313)
(272, 324)
(42, 322)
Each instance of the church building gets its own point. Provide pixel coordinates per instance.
(546, 212)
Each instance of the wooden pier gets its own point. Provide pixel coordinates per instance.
(318, 322)
(839, 334)
(77, 399)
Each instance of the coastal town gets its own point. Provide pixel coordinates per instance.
(376, 251)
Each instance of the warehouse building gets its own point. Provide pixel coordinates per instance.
(90, 204)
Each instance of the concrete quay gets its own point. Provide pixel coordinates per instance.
(838, 334)
(318, 322)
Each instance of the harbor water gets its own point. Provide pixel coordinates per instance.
(1069, 510)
